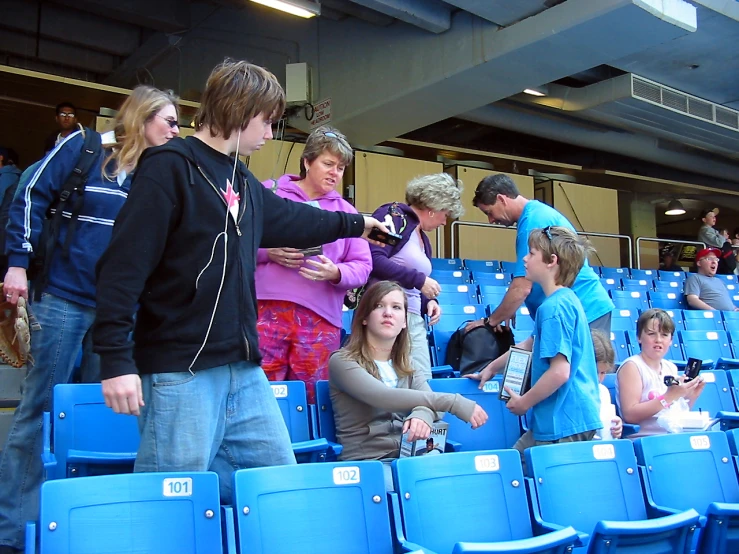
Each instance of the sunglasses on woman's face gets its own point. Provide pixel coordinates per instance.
(171, 122)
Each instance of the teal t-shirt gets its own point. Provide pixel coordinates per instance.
(561, 328)
(587, 287)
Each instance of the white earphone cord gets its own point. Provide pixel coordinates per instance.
(225, 261)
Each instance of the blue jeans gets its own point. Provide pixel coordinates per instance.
(54, 349)
(219, 419)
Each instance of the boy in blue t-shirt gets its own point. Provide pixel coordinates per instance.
(563, 399)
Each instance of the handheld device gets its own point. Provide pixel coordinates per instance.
(517, 374)
(312, 251)
(692, 369)
(391, 239)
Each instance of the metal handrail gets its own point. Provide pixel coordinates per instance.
(457, 224)
(656, 239)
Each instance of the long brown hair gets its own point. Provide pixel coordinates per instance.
(358, 349)
(141, 106)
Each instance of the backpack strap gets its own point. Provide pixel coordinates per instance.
(76, 181)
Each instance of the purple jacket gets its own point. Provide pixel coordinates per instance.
(383, 267)
(352, 256)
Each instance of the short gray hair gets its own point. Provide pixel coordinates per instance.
(326, 139)
(438, 192)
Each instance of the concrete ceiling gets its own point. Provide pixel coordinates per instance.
(394, 67)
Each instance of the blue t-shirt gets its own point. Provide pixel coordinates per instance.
(587, 287)
(561, 328)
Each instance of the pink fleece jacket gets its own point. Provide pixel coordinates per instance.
(352, 256)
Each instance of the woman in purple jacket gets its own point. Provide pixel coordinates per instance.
(430, 201)
(301, 293)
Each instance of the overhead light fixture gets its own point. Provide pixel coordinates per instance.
(301, 8)
(675, 207)
(542, 90)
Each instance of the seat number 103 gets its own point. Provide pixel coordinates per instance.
(177, 486)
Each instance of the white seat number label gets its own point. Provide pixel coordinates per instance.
(700, 442)
(604, 452)
(491, 386)
(489, 462)
(280, 391)
(348, 475)
(181, 486)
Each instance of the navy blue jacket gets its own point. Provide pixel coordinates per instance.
(70, 278)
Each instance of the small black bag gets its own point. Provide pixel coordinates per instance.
(469, 352)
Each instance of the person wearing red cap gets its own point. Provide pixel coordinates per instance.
(703, 291)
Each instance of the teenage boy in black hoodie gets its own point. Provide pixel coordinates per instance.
(184, 250)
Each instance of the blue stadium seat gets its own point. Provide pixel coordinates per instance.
(492, 279)
(615, 273)
(492, 295)
(669, 286)
(456, 277)
(620, 345)
(88, 437)
(524, 321)
(667, 300)
(675, 354)
(671, 275)
(648, 274)
(596, 269)
(503, 428)
(145, 513)
(595, 487)
(312, 509)
(458, 294)
(326, 429)
(446, 264)
(637, 284)
(507, 267)
(610, 383)
(731, 322)
(708, 345)
(629, 299)
(624, 320)
(609, 283)
(439, 342)
(735, 299)
(488, 480)
(482, 266)
(292, 399)
(678, 319)
(470, 311)
(700, 320)
(731, 278)
(717, 399)
(714, 490)
(346, 324)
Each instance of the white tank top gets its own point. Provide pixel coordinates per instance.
(653, 386)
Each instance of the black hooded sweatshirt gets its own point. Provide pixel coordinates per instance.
(166, 256)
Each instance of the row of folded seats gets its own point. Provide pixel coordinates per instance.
(444, 265)
(610, 496)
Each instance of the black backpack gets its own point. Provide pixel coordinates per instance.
(469, 352)
(38, 272)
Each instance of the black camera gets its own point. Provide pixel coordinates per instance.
(670, 381)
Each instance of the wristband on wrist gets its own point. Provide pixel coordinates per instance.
(663, 401)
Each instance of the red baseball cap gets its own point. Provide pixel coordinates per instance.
(706, 252)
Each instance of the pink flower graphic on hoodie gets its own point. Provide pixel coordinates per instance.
(232, 200)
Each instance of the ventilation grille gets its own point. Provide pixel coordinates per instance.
(684, 103)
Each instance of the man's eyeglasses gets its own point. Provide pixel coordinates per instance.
(65, 115)
(171, 122)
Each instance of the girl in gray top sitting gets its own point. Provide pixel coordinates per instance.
(375, 392)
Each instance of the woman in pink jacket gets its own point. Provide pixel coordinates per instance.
(301, 293)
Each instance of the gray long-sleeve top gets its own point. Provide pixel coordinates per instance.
(369, 415)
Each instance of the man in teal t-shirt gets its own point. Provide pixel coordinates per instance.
(498, 198)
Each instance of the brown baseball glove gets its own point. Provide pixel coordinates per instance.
(15, 333)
